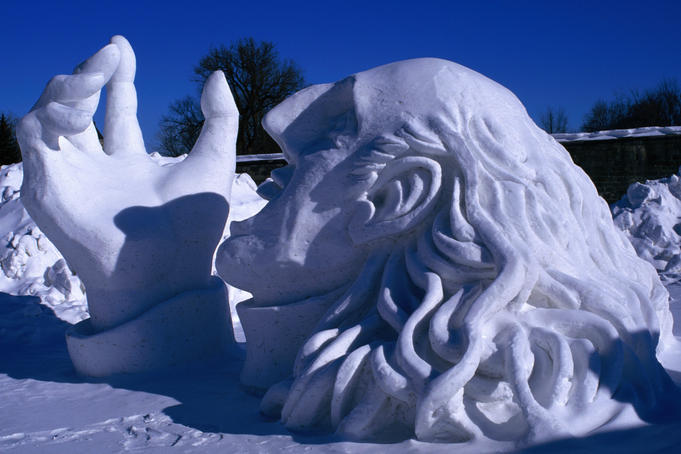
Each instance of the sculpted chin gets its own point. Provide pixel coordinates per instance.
(465, 279)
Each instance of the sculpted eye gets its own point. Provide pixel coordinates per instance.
(278, 180)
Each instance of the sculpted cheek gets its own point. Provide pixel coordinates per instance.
(237, 259)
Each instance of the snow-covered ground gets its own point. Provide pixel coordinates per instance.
(46, 408)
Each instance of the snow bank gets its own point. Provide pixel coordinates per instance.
(650, 215)
(29, 262)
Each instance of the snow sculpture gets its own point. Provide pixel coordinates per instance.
(141, 236)
(432, 264)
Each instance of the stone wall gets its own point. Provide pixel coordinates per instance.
(613, 164)
(616, 163)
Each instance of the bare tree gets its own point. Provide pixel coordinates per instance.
(259, 80)
(658, 107)
(181, 127)
(9, 148)
(604, 115)
(553, 120)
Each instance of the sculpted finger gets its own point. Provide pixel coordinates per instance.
(72, 89)
(219, 133)
(217, 100)
(65, 108)
(79, 91)
(105, 61)
(87, 141)
(214, 153)
(96, 71)
(30, 137)
(87, 79)
(122, 133)
(37, 157)
(60, 120)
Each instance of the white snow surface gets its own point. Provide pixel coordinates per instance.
(201, 408)
(30, 263)
(650, 215)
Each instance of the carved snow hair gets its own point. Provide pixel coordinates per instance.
(514, 311)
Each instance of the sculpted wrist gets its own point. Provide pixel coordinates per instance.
(192, 325)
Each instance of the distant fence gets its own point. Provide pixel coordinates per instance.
(259, 166)
(616, 163)
(612, 159)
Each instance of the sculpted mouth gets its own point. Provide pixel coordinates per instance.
(269, 190)
(275, 185)
(239, 229)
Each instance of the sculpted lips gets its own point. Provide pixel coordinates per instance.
(237, 229)
(269, 190)
(280, 177)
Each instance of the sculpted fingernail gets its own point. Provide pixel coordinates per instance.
(217, 99)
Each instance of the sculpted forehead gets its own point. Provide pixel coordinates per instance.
(381, 100)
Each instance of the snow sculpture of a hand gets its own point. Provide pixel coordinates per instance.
(137, 233)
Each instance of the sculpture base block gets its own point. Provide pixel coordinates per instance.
(192, 325)
(274, 334)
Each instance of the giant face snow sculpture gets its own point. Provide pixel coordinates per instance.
(140, 236)
(432, 263)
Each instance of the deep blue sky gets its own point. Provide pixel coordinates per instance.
(549, 53)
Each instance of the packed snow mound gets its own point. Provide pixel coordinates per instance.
(31, 265)
(650, 215)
